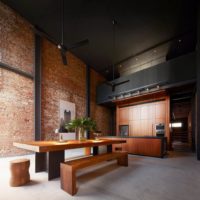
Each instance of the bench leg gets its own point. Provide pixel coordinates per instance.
(68, 179)
(123, 160)
(87, 151)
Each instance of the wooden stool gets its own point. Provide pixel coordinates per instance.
(19, 172)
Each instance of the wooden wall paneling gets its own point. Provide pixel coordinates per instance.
(117, 120)
(131, 113)
(160, 109)
(134, 128)
(167, 120)
(143, 127)
(151, 111)
(136, 112)
(142, 118)
(151, 117)
(143, 146)
(144, 111)
(124, 115)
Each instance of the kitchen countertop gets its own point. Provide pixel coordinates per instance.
(147, 137)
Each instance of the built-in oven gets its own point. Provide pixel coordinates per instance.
(160, 129)
(124, 130)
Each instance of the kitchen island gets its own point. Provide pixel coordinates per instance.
(145, 145)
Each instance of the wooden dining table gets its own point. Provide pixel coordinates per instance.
(49, 154)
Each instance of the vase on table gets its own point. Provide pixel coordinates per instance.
(81, 134)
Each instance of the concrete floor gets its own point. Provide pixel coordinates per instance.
(174, 178)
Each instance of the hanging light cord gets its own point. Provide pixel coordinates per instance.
(62, 22)
(113, 64)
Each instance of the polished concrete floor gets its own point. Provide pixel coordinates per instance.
(176, 177)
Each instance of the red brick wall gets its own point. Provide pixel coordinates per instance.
(16, 91)
(58, 82)
(67, 83)
(16, 40)
(16, 112)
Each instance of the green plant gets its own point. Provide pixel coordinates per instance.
(81, 125)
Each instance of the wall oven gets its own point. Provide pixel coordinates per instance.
(160, 129)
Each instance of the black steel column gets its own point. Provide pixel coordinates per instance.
(193, 123)
(37, 85)
(88, 95)
(198, 87)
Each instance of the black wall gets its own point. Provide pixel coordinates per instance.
(174, 71)
(198, 88)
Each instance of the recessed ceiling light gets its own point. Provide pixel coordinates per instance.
(120, 66)
(136, 59)
(179, 40)
(154, 50)
(107, 71)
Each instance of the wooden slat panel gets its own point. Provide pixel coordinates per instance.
(151, 111)
(144, 111)
(124, 115)
(143, 117)
(143, 146)
(135, 128)
(160, 110)
(136, 112)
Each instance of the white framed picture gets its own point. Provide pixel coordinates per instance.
(67, 113)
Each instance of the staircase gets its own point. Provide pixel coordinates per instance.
(180, 141)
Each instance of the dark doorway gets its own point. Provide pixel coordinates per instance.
(181, 120)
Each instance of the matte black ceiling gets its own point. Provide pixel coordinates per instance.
(140, 24)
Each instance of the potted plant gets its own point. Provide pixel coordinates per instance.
(81, 125)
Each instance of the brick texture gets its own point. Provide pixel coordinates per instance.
(16, 112)
(16, 91)
(17, 40)
(67, 83)
(59, 82)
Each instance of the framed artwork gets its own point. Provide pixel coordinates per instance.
(67, 113)
(124, 130)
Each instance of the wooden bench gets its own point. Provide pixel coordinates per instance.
(68, 169)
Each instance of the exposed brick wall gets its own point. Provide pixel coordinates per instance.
(16, 112)
(16, 91)
(67, 83)
(16, 40)
(58, 82)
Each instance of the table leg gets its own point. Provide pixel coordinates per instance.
(40, 162)
(109, 148)
(95, 150)
(54, 159)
